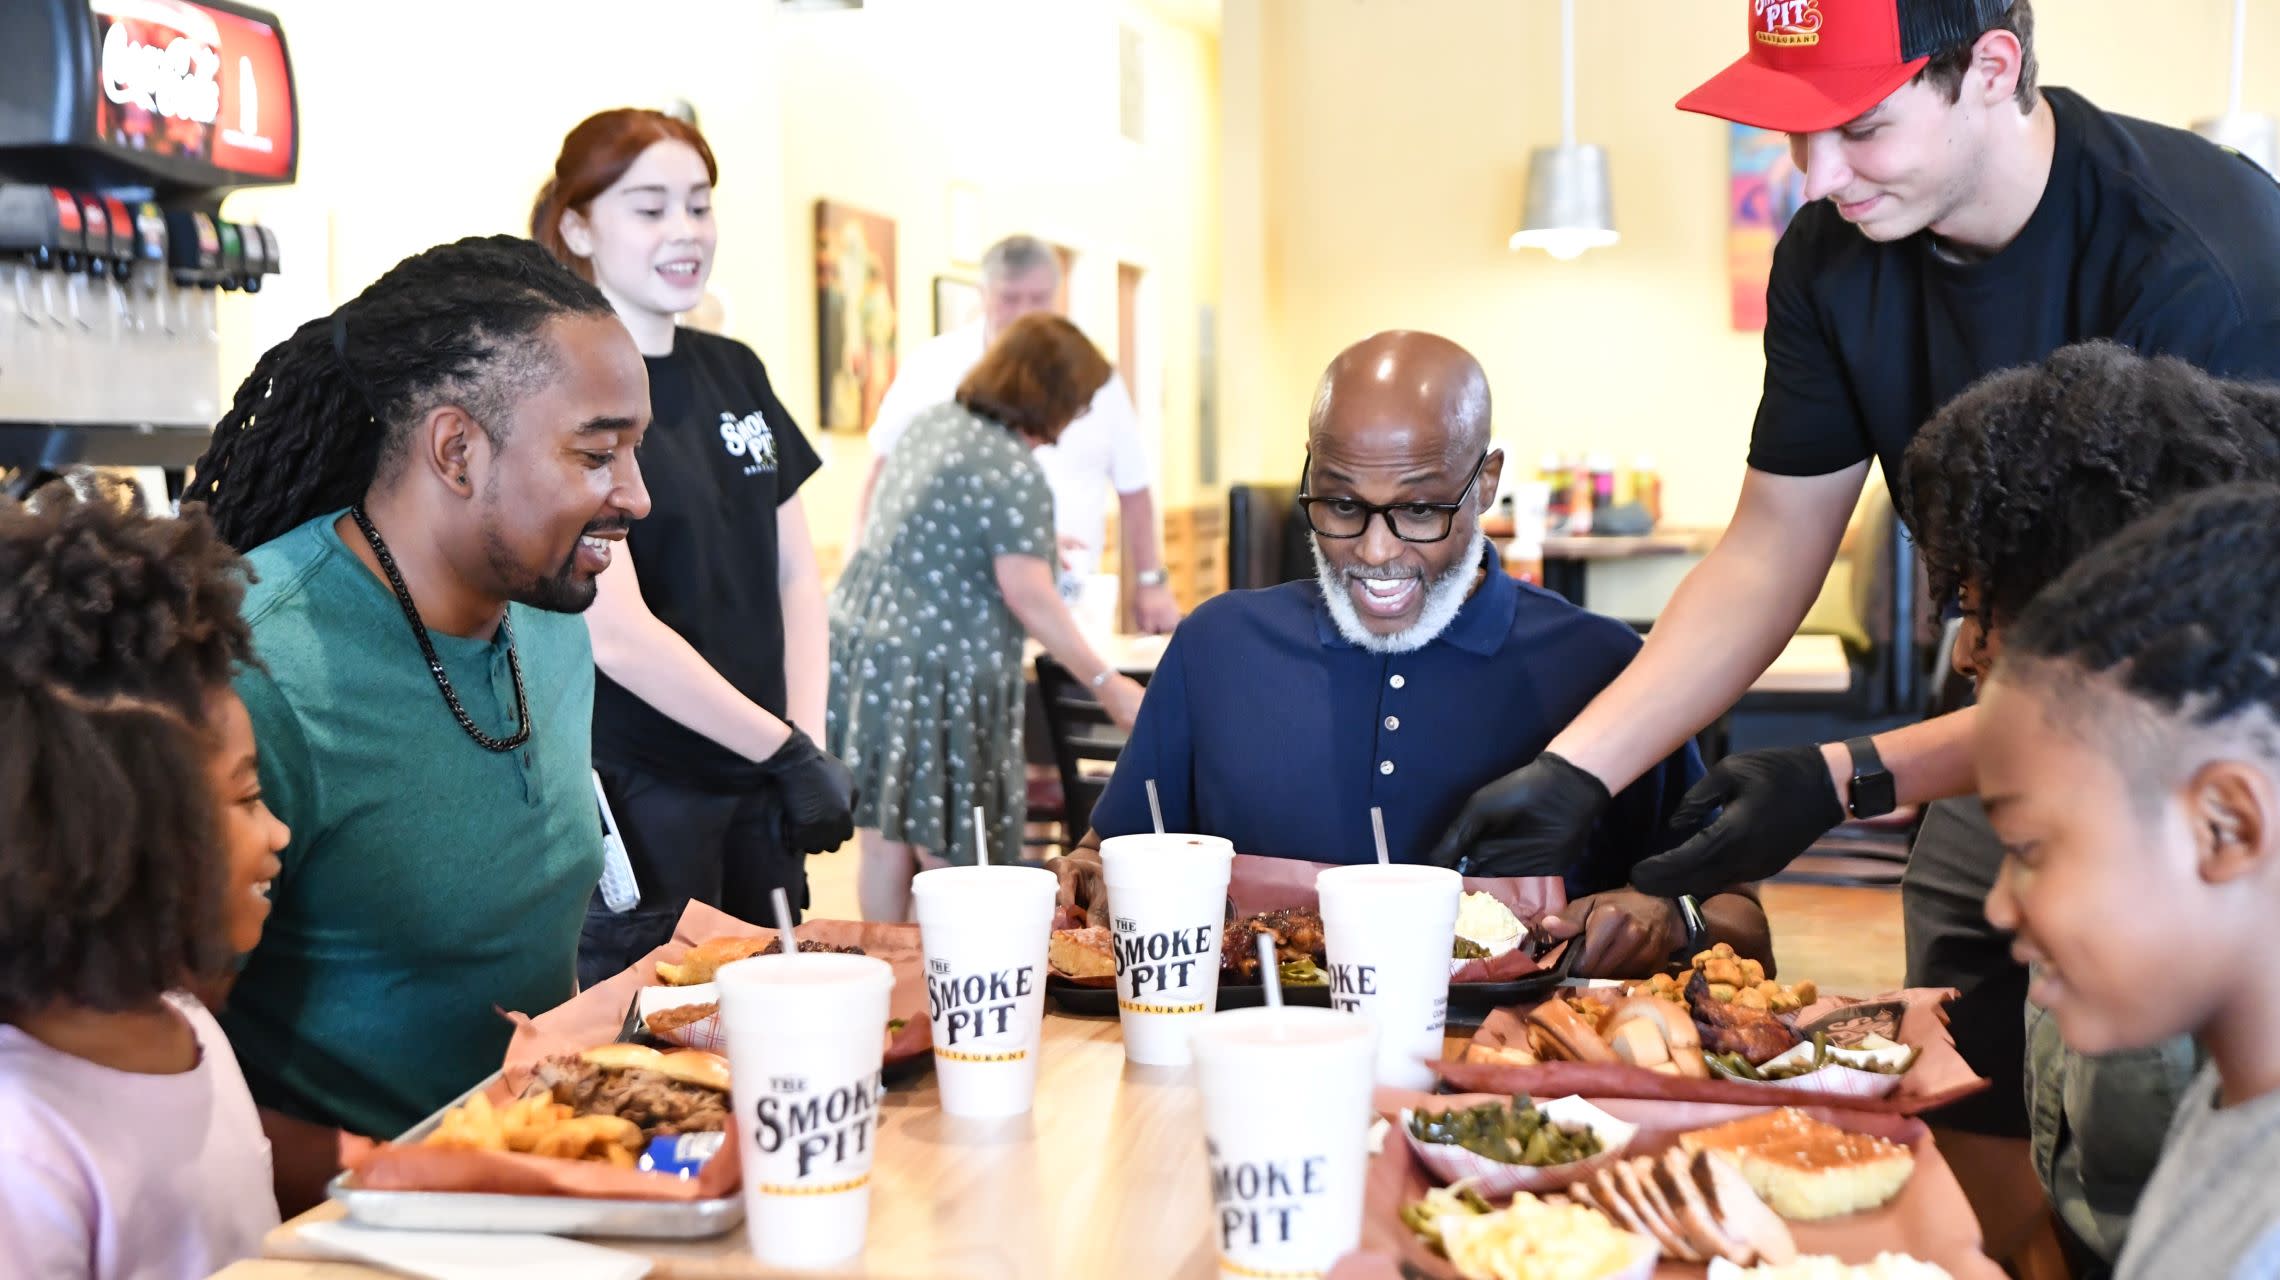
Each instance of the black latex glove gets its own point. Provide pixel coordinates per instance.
(1534, 821)
(818, 791)
(1769, 806)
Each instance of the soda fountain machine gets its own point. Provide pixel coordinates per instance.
(123, 126)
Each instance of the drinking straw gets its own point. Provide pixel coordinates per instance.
(784, 925)
(1377, 827)
(1270, 977)
(1155, 807)
(981, 841)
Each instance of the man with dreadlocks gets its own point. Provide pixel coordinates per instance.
(427, 483)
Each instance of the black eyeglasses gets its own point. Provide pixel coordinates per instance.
(1410, 521)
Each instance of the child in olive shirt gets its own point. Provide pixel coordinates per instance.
(2129, 757)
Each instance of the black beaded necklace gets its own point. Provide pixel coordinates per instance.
(435, 664)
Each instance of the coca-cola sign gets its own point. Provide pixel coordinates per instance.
(194, 81)
(176, 81)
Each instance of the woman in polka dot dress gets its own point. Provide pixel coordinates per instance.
(955, 567)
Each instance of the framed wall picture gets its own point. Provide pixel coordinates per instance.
(957, 303)
(1765, 192)
(855, 322)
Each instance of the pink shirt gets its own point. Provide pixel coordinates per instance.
(111, 1175)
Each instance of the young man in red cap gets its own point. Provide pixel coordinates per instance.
(1962, 221)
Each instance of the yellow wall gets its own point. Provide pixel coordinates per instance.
(1395, 137)
(443, 120)
(886, 107)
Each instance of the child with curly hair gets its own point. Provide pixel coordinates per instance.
(2015, 480)
(2129, 754)
(135, 852)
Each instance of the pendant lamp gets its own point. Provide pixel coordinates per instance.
(1570, 208)
(2253, 135)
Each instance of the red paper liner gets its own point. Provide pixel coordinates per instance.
(595, 1017)
(1930, 1219)
(1938, 1077)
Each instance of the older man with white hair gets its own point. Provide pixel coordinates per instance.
(1099, 451)
(1409, 670)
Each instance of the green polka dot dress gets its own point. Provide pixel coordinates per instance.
(926, 669)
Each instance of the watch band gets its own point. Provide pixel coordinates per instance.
(1100, 681)
(1872, 793)
(1697, 929)
(1151, 577)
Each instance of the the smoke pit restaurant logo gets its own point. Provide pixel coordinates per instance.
(1788, 23)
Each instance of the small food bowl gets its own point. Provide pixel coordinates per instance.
(706, 1033)
(1496, 947)
(1834, 1079)
(1497, 1180)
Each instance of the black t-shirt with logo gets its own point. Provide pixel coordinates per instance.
(2148, 235)
(721, 455)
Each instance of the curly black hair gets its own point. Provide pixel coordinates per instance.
(2028, 469)
(329, 411)
(115, 630)
(2176, 611)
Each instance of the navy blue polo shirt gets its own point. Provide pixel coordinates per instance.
(1265, 726)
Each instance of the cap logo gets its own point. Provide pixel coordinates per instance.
(1788, 23)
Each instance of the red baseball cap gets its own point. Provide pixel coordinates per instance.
(1815, 64)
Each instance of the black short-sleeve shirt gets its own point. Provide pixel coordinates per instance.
(721, 455)
(2148, 235)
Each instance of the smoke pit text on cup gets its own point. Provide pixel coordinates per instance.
(1349, 983)
(1259, 1201)
(1164, 961)
(830, 1128)
(978, 1004)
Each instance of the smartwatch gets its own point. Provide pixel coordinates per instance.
(1873, 794)
(1697, 930)
(1152, 577)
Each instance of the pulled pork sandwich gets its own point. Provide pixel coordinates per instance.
(685, 1091)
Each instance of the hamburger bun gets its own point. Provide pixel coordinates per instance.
(700, 962)
(1658, 1035)
(687, 1066)
(1566, 1035)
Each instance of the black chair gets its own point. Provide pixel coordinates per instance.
(1081, 733)
(1267, 538)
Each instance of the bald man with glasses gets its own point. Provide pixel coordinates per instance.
(1409, 672)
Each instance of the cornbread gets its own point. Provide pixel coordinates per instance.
(1805, 1169)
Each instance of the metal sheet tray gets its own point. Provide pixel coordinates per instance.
(545, 1215)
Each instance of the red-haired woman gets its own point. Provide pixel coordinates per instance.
(954, 567)
(709, 635)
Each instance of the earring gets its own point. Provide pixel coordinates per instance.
(461, 478)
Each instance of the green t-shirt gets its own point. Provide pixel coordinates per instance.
(429, 882)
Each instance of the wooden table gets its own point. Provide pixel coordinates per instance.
(1105, 1178)
(1807, 664)
(1568, 560)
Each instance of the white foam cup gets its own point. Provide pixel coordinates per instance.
(806, 1036)
(985, 932)
(1286, 1119)
(1389, 930)
(1167, 900)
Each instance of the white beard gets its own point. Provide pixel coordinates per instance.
(1443, 597)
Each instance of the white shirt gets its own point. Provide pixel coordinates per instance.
(1100, 450)
(110, 1175)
